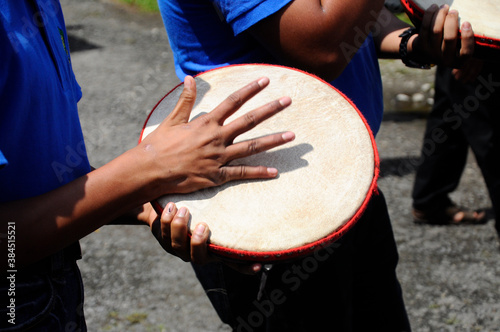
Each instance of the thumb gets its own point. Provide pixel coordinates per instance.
(185, 104)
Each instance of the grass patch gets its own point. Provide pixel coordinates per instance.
(137, 317)
(145, 5)
(403, 17)
(452, 320)
(116, 320)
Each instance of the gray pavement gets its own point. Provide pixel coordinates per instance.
(450, 275)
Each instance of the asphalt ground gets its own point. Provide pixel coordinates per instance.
(450, 275)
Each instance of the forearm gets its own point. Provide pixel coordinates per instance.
(177, 157)
(441, 39)
(388, 40)
(50, 222)
(137, 216)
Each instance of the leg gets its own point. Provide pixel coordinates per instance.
(482, 130)
(48, 296)
(444, 156)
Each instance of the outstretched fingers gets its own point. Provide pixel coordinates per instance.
(232, 103)
(250, 147)
(257, 145)
(251, 119)
(253, 146)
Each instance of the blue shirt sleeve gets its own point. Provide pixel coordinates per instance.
(3, 161)
(243, 14)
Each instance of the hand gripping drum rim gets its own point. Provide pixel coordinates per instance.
(487, 36)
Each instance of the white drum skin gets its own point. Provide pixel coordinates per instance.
(326, 175)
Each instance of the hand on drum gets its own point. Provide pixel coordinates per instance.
(172, 232)
(188, 156)
(441, 42)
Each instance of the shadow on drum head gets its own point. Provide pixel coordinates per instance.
(285, 159)
(279, 159)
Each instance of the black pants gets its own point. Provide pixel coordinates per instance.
(46, 296)
(463, 116)
(349, 286)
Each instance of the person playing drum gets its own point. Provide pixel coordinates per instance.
(50, 197)
(353, 287)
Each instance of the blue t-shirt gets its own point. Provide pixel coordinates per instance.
(41, 141)
(206, 34)
(3, 161)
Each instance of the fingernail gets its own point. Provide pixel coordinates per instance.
(170, 207)
(466, 26)
(263, 81)
(272, 171)
(188, 81)
(444, 5)
(182, 212)
(285, 101)
(288, 136)
(453, 12)
(199, 230)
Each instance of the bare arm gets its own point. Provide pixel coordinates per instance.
(322, 36)
(176, 157)
(438, 40)
(388, 40)
(318, 36)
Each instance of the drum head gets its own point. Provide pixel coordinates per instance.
(326, 175)
(482, 14)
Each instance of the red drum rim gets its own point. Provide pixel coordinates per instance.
(415, 11)
(309, 248)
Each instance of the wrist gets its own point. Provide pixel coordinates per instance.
(141, 215)
(134, 183)
(412, 47)
(408, 50)
(138, 167)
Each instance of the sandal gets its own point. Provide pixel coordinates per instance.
(451, 215)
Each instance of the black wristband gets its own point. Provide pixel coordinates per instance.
(403, 50)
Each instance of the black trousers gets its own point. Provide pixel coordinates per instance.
(463, 116)
(46, 296)
(349, 286)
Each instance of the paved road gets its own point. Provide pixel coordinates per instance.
(450, 275)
